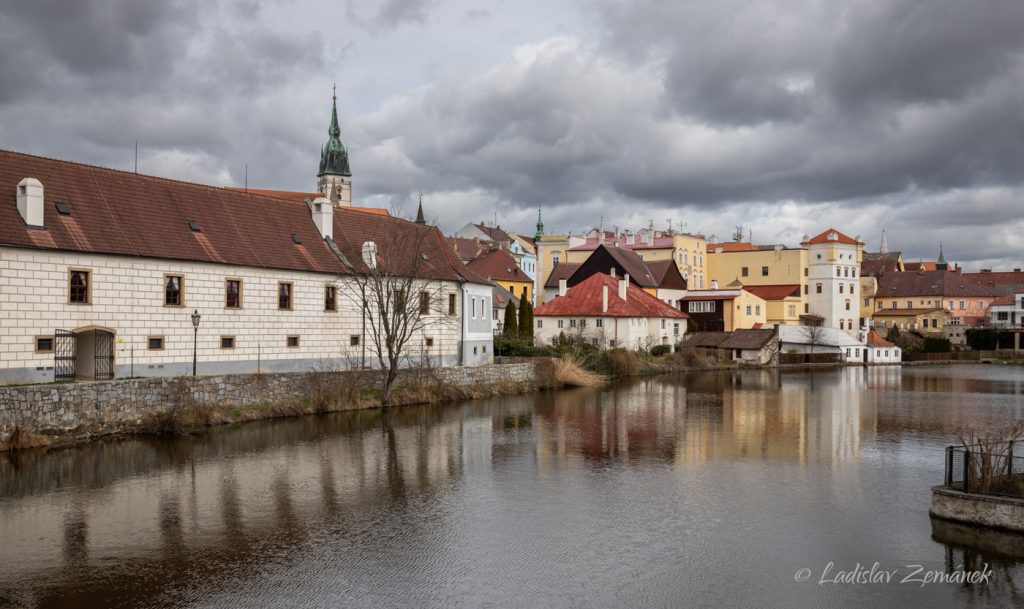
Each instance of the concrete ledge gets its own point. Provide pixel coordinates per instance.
(993, 511)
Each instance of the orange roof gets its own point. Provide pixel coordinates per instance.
(498, 265)
(773, 292)
(300, 197)
(839, 238)
(585, 299)
(875, 340)
(919, 266)
(731, 247)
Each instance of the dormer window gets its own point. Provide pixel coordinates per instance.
(194, 226)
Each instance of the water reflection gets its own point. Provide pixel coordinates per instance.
(546, 499)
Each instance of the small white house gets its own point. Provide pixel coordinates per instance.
(609, 312)
(881, 351)
(821, 339)
(752, 346)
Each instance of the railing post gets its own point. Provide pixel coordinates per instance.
(967, 470)
(1009, 460)
(949, 466)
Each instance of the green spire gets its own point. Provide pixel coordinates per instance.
(941, 263)
(540, 227)
(333, 156)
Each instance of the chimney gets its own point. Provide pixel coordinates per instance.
(563, 285)
(323, 216)
(30, 202)
(623, 286)
(612, 273)
(604, 299)
(714, 284)
(370, 254)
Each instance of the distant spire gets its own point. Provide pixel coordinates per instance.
(883, 247)
(333, 156)
(419, 212)
(540, 227)
(940, 264)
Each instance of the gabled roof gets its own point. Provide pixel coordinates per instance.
(654, 274)
(1005, 300)
(498, 265)
(666, 275)
(502, 297)
(917, 266)
(1000, 281)
(706, 339)
(875, 340)
(469, 249)
(300, 197)
(774, 292)
(906, 312)
(731, 246)
(712, 295)
(748, 339)
(494, 232)
(585, 300)
(832, 236)
(562, 270)
(930, 283)
(122, 213)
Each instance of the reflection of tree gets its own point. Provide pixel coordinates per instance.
(393, 467)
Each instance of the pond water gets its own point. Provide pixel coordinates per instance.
(692, 490)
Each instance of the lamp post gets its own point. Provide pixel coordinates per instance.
(195, 338)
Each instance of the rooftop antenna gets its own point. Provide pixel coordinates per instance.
(136, 156)
(247, 178)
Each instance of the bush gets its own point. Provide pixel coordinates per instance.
(937, 345)
(982, 339)
(513, 347)
(620, 362)
(659, 350)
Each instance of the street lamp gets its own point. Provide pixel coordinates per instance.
(195, 338)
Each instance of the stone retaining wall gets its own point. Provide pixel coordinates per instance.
(109, 405)
(992, 511)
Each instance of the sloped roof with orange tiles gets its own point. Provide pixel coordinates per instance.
(469, 249)
(731, 246)
(840, 238)
(498, 265)
(585, 299)
(917, 266)
(875, 340)
(929, 283)
(1004, 300)
(774, 292)
(300, 197)
(1000, 281)
(122, 213)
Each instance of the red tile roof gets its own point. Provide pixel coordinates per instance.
(469, 249)
(585, 299)
(875, 340)
(916, 266)
(824, 238)
(1000, 281)
(732, 246)
(123, 213)
(1006, 299)
(300, 197)
(774, 292)
(929, 283)
(498, 265)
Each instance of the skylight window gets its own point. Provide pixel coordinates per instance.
(296, 239)
(62, 208)
(194, 225)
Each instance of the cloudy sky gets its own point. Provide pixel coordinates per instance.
(785, 116)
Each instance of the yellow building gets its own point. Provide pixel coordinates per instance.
(928, 320)
(723, 310)
(551, 250)
(500, 267)
(868, 290)
(777, 267)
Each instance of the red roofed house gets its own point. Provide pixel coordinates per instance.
(881, 351)
(499, 266)
(609, 312)
(102, 271)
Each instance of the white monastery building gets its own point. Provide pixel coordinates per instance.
(101, 272)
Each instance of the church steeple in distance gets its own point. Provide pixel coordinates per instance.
(335, 174)
(419, 212)
(540, 227)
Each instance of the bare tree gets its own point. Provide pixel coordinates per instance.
(814, 335)
(402, 298)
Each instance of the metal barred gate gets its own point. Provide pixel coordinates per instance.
(104, 354)
(64, 348)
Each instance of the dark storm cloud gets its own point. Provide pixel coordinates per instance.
(389, 14)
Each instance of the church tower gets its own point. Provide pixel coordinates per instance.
(335, 176)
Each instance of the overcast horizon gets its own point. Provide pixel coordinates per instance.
(785, 117)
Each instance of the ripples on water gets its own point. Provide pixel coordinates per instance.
(689, 490)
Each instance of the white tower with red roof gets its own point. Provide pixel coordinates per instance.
(833, 279)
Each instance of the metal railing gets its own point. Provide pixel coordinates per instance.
(991, 469)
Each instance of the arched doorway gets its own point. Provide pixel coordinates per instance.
(84, 353)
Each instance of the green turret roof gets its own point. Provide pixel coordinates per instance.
(941, 263)
(334, 157)
(540, 227)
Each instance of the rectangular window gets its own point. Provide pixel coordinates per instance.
(910, 304)
(599, 323)
(424, 303)
(173, 290)
(233, 294)
(227, 342)
(791, 311)
(330, 298)
(284, 296)
(540, 323)
(663, 323)
(961, 305)
(44, 344)
(451, 304)
(292, 342)
(155, 343)
(80, 289)
(561, 323)
(757, 309)
(583, 323)
(353, 340)
(572, 323)
(817, 288)
(748, 309)
(399, 301)
(840, 288)
(430, 342)
(743, 272)
(764, 271)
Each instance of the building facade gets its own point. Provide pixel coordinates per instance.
(833, 271)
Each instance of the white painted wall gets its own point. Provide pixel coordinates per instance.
(625, 332)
